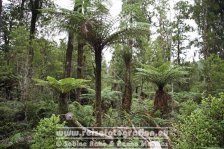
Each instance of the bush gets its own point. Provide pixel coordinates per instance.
(83, 113)
(204, 127)
(45, 133)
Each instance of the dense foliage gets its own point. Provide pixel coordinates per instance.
(166, 70)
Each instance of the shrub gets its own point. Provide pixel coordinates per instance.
(204, 127)
(83, 113)
(45, 133)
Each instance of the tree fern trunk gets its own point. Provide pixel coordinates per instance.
(127, 96)
(98, 60)
(79, 68)
(62, 104)
(68, 59)
(162, 100)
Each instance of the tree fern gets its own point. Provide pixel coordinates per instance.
(64, 85)
(161, 76)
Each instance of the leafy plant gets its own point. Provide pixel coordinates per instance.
(204, 127)
(83, 113)
(109, 97)
(45, 133)
(64, 85)
(161, 76)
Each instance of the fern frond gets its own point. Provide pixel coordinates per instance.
(64, 85)
(163, 74)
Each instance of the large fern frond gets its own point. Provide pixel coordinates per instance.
(64, 85)
(163, 74)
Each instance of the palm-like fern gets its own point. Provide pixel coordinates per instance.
(98, 33)
(161, 76)
(62, 86)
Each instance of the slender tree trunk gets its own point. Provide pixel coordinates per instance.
(127, 96)
(68, 58)
(0, 16)
(98, 62)
(178, 47)
(62, 103)
(79, 8)
(79, 68)
(35, 5)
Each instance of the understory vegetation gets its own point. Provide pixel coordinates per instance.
(166, 71)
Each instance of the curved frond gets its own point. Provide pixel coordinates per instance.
(163, 74)
(64, 85)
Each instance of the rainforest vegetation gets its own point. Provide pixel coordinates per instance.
(166, 71)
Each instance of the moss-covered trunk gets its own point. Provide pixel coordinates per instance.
(127, 96)
(80, 53)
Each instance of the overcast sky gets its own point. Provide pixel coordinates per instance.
(115, 6)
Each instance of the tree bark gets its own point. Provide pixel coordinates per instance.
(62, 104)
(79, 68)
(68, 59)
(127, 96)
(98, 62)
(35, 5)
(162, 101)
(0, 15)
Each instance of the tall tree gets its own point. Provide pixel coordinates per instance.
(98, 33)
(209, 16)
(80, 48)
(162, 25)
(132, 13)
(68, 61)
(180, 28)
(35, 6)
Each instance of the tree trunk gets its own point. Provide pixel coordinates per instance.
(21, 11)
(0, 16)
(98, 62)
(178, 47)
(79, 68)
(127, 96)
(162, 101)
(35, 5)
(62, 104)
(68, 59)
